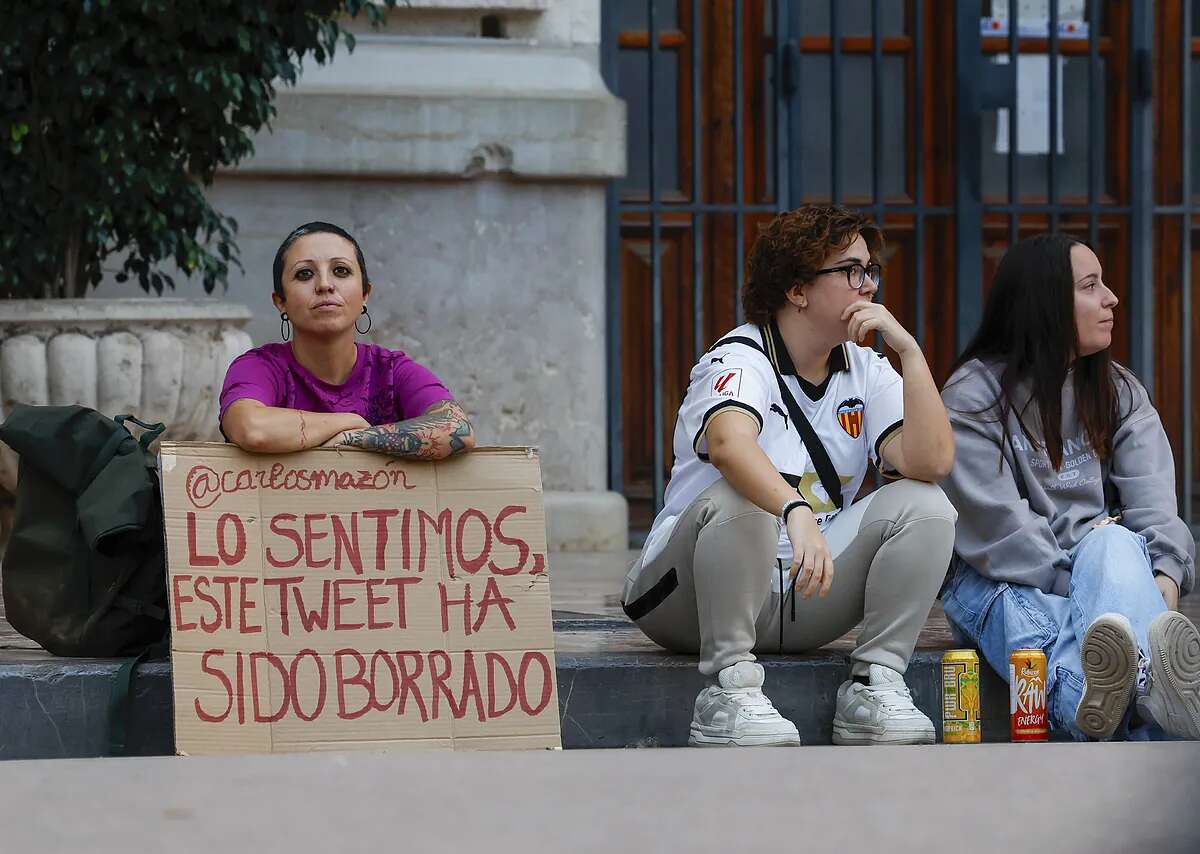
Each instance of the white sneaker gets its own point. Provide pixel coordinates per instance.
(1109, 656)
(881, 712)
(736, 713)
(1172, 695)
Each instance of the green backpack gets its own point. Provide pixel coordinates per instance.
(84, 573)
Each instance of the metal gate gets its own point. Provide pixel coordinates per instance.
(1053, 129)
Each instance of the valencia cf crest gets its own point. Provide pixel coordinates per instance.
(850, 416)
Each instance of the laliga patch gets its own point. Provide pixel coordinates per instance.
(850, 416)
(728, 383)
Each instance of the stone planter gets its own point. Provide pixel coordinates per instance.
(160, 359)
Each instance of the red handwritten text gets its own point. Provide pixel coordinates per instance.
(352, 684)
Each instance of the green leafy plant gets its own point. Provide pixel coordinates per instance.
(116, 114)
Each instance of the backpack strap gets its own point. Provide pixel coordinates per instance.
(118, 701)
(153, 431)
(812, 443)
(107, 451)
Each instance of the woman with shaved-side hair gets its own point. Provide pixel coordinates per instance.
(321, 387)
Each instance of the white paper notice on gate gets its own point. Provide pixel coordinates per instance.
(338, 599)
(1033, 106)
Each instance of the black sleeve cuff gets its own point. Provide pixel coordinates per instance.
(883, 437)
(712, 413)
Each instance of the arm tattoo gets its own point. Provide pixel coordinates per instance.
(462, 429)
(303, 435)
(440, 432)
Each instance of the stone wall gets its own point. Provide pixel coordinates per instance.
(485, 281)
(472, 170)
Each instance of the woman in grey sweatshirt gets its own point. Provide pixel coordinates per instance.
(1068, 539)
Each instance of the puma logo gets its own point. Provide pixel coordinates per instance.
(775, 408)
(716, 359)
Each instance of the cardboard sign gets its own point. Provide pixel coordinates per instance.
(339, 598)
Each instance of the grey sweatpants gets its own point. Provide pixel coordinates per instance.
(890, 550)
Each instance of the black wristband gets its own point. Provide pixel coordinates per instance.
(792, 505)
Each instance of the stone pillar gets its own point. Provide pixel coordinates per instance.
(472, 170)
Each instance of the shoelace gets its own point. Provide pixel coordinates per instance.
(786, 591)
(751, 700)
(782, 596)
(1144, 677)
(894, 697)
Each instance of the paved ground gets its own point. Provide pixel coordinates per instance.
(588, 584)
(1062, 798)
(987, 798)
(580, 584)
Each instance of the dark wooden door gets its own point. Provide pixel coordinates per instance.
(702, 58)
(760, 93)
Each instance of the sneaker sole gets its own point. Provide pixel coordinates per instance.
(852, 736)
(1109, 657)
(699, 738)
(1175, 668)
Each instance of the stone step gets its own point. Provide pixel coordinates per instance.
(645, 698)
(615, 690)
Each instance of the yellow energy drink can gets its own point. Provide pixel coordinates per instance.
(960, 697)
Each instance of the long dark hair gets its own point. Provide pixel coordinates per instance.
(316, 227)
(1029, 326)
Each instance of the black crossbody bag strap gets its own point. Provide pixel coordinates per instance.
(816, 450)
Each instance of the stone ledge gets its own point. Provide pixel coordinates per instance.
(474, 5)
(407, 109)
(99, 310)
(57, 708)
(586, 521)
(160, 359)
(630, 700)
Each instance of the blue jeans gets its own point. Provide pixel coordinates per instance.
(1110, 572)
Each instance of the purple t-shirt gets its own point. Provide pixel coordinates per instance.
(385, 385)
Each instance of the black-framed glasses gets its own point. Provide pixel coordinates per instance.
(856, 274)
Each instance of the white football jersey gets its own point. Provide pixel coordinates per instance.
(854, 412)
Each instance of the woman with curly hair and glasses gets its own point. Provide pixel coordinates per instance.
(772, 442)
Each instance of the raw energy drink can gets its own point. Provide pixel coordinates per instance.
(1027, 695)
(960, 697)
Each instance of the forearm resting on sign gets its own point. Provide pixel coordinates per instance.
(253, 426)
(441, 431)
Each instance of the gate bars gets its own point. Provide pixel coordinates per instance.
(980, 86)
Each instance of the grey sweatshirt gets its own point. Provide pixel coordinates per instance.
(1018, 518)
